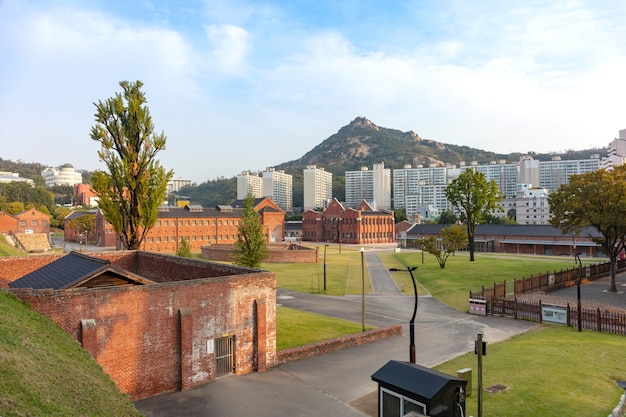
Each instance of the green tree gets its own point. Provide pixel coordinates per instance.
(83, 225)
(250, 246)
(454, 237)
(595, 199)
(447, 217)
(399, 215)
(184, 249)
(135, 185)
(475, 197)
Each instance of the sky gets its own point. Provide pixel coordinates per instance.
(244, 85)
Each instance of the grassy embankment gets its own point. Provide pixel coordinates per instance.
(44, 372)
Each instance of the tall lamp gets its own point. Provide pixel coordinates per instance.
(412, 322)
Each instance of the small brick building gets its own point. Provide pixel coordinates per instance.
(28, 221)
(155, 323)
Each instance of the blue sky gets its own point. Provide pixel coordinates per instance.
(239, 85)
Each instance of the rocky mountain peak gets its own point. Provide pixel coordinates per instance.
(363, 122)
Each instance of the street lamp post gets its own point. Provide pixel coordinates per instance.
(363, 289)
(412, 322)
(325, 246)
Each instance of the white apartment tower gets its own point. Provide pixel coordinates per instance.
(505, 175)
(556, 172)
(616, 154)
(528, 170)
(249, 183)
(279, 187)
(373, 186)
(415, 188)
(318, 187)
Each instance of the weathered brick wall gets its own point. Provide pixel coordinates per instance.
(314, 349)
(276, 254)
(14, 267)
(134, 332)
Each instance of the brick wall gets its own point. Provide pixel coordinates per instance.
(314, 349)
(276, 253)
(136, 332)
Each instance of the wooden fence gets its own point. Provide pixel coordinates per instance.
(591, 319)
(546, 281)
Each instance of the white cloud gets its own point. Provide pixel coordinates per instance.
(230, 45)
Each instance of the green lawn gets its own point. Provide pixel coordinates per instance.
(452, 284)
(298, 328)
(8, 250)
(551, 371)
(343, 273)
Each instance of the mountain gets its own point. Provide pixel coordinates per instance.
(362, 143)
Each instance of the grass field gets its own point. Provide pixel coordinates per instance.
(551, 371)
(343, 273)
(452, 284)
(299, 328)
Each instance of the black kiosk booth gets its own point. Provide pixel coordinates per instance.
(407, 389)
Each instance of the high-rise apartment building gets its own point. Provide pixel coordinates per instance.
(414, 189)
(175, 184)
(279, 187)
(318, 187)
(249, 183)
(505, 175)
(556, 172)
(528, 170)
(616, 153)
(372, 186)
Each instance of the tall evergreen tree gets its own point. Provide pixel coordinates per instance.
(251, 247)
(130, 193)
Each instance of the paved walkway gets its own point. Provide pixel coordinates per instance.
(382, 282)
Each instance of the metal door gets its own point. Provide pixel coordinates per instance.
(225, 356)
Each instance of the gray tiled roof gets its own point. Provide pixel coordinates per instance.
(508, 230)
(60, 273)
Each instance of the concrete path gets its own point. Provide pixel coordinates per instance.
(382, 282)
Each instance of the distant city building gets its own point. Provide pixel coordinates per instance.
(372, 186)
(279, 187)
(528, 170)
(318, 187)
(554, 173)
(85, 196)
(504, 174)
(7, 177)
(529, 206)
(175, 185)
(420, 190)
(616, 153)
(65, 175)
(249, 183)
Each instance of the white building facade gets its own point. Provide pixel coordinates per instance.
(279, 187)
(64, 175)
(373, 186)
(249, 184)
(554, 173)
(318, 187)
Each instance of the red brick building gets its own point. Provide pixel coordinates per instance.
(71, 232)
(360, 225)
(155, 323)
(28, 221)
(200, 226)
(85, 196)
